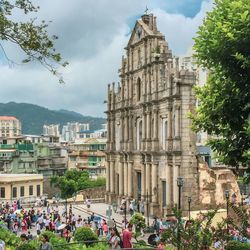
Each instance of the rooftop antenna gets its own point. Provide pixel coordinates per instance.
(146, 10)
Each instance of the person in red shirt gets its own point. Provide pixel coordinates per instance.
(24, 225)
(127, 237)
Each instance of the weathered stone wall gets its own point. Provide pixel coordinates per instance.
(93, 193)
(212, 186)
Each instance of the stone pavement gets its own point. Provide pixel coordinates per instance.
(100, 210)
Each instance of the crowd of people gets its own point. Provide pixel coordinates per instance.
(29, 223)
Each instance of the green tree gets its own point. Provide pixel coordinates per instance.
(222, 46)
(73, 181)
(67, 186)
(30, 36)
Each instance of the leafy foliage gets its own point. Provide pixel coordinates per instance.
(193, 235)
(85, 234)
(30, 36)
(9, 238)
(73, 181)
(138, 220)
(28, 246)
(236, 245)
(222, 46)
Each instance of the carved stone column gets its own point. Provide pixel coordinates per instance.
(130, 179)
(125, 166)
(112, 176)
(156, 128)
(175, 188)
(154, 188)
(143, 180)
(122, 132)
(121, 185)
(168, 184)
(108, 176)
(144, 134)
(148, 179)
(148, 126)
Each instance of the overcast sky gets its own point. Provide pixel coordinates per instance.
(92, 35)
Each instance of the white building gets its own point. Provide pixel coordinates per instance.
(10, 126)
(71, 130)
(52, 130)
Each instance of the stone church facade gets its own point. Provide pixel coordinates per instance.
(150, 142)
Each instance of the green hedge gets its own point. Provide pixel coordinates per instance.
(236, 245)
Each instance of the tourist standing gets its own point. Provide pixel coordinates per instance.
(115, 240)
(142, 207)
(127, 237)
(45, 243)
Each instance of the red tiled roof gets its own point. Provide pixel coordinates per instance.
(6, 118)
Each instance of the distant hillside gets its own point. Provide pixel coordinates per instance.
(33, 117)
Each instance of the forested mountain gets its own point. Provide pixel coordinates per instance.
(33, 117)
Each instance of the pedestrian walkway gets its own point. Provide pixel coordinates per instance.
(101, 208)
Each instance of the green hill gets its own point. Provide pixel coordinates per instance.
(33, 117)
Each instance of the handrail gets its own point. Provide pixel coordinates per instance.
(147, 247)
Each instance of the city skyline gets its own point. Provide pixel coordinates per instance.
(97, 50)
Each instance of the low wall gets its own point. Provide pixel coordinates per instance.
(93, 193)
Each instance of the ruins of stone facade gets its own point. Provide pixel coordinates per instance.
(150, 142)
(212, 186)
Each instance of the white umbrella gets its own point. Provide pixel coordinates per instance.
(61, 226)
(18, 211)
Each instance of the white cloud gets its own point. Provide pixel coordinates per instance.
(92, 36)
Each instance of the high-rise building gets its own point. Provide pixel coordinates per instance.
(150, 142)
(51, 130)
(71, 130)
(10, 126)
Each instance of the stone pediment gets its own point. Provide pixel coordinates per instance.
(140, 31)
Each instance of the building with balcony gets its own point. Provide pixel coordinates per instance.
(18, 158)
(10, 126)
(88, 154)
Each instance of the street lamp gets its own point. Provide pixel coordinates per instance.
(125, 213)
(227, 199)
(180, 183)
(189, 207)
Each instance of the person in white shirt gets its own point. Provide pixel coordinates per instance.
(38, 229)
(79, 223)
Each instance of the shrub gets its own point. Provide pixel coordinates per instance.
(59, 243)
(85, 234)
(32, 245)
(10, 239)
(49, 234)
(138, 220)
(236, 245)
